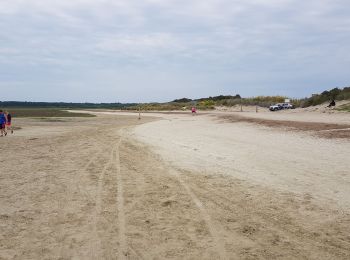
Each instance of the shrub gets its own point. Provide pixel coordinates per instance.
(326, 96)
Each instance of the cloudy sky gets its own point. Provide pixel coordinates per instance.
(159, 50)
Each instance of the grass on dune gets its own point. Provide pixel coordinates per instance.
(345, 107)
(44, 113)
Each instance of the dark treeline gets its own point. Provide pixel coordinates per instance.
(215, 98)
(21, 104)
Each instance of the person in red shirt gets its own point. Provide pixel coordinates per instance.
(8, 122)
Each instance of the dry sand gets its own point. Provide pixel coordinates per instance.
(175, 186)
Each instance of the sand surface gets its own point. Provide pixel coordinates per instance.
(176, 186)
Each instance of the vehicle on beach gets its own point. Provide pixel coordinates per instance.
(287, 106)
(281, 106)
(275, 107)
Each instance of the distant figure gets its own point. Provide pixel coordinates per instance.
(2, 124)
(8, 122)
(332, 104)
(194, 110)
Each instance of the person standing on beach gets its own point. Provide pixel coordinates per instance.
(8, 122)
(194, 110)
(2, 124)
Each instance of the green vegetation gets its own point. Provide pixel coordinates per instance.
(44, 113)
(211, 102)
(327, 96)
(263, 101)
(345, 107)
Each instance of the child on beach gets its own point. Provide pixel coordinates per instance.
(194, 110)
(2, 124)
(8, 122)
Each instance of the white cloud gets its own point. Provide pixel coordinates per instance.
(236, 37)
(140, 43)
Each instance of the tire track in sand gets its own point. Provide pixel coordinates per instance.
(96, 245)
(87, 165)
(122, 252)
(65, 252)
(219, 244)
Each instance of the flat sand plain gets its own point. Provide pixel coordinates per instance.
(175, 186)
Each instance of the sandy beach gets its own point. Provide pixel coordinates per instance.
(218, 185)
